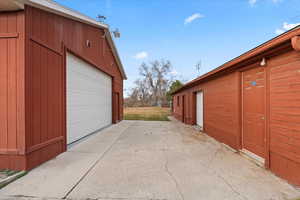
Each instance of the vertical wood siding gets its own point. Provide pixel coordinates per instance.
(45, 121)
(8, 95)
(48, 36)
(12, 119)
(30, 138)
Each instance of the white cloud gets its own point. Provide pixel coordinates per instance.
(174, 72)
(141, 55)
(285, 27)
(279, 31)
(288, 26)
(252, 2)
(193, 17)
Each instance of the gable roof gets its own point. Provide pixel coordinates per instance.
(53, 7)
(265, 47)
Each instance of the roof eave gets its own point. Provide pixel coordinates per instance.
(58, 9)
(116, 55)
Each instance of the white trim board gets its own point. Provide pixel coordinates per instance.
(257, 159)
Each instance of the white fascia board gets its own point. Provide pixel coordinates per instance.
(52, 7)
(58, 9)
(116, 54)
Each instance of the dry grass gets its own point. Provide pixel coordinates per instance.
(10, 175)
(147, 113)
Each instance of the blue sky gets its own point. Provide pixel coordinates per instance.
(189, 31)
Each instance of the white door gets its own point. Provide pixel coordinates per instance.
(199, 108)
(89, 99)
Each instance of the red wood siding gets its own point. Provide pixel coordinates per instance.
(54, 31)
(8, 95)
(223, 113)
(12, 118)
(45, 97)
(285, 116)
(221, 105)
(48, 37)
(30, 138)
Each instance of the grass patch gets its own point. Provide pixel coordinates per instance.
(146, 118)
(147, 114)
(8, 172)
(21, 174)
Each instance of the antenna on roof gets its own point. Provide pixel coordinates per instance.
(101, 18)
(198, 66)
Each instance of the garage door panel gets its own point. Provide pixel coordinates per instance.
(83, 99)
(78, 84)
(87, 115)
(89, 99)
(87, 89)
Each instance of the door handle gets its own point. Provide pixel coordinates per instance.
(263, 118)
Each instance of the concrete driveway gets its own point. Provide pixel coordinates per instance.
(150, 161)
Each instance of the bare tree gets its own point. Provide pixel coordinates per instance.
(152, 87)
(143, 92)
(156, 77)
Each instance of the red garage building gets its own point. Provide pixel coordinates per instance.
(61, 79)
(252, 104)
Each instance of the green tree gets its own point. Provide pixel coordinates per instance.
(174, 86)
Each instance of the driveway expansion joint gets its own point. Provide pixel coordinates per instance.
(97, 161)
(171, 175)
(174, 179)
(230, 186)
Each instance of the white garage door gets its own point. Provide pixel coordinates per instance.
(200, 109)
(89, 99)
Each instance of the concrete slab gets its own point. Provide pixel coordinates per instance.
(53, 179)
(129, 172)
(138, 160)
(57, 177)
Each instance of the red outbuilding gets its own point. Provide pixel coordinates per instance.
(252, 104)
(61, 79)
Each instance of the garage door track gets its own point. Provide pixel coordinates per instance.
(136, 160)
